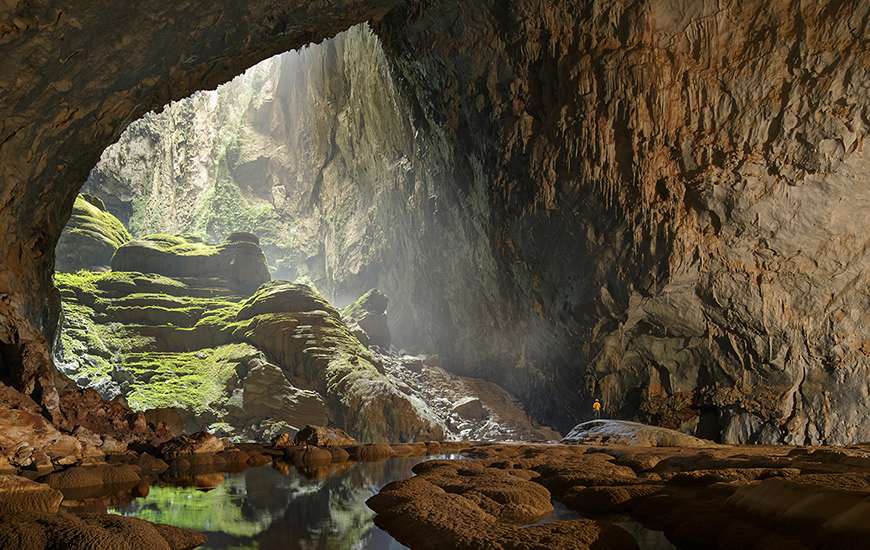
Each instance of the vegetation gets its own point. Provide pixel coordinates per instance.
(192, 380)
(92, 222)
(177, 245)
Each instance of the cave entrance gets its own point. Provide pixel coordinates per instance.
(271, 176)
(226, 258)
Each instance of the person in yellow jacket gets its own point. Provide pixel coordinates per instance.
(596, 409)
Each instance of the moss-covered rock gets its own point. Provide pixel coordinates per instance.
(240, 262)
(304, 333)
(369, 313)
(283, 356)
(90, 238)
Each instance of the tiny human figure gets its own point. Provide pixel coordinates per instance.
(596, 409)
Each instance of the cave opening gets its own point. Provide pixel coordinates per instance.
(268, 207)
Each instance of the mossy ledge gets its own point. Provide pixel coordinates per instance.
(193, 343)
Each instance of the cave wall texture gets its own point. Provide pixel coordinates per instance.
(659, 203)
(674, 196)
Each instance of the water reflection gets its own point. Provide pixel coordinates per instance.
(270, 507)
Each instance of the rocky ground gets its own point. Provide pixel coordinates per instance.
(499, 495)
(702, 495)
(66, 506)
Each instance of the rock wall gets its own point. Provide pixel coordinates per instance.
(662, 202)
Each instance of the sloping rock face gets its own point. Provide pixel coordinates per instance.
(667, 210)
(90, 238)
(620, 432)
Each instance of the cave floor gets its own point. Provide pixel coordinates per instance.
(467, 495)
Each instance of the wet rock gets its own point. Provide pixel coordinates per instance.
(451, 505)
(621, 432)
(370, 452)
(74, 532)
(410, 449)
(604, 499)
(187, 446)
(79, 477)
(321, 436)
(18, 494)
(310, 457)
(338, 454)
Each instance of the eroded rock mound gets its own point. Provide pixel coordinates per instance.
(622, 432)
(240, 262)
(90, 238)
(89, 531)
(19, 494)
(456, 504)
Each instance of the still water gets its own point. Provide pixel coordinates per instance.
(269, 508)
(266, 508)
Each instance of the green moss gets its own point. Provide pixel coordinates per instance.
(88, 220)
(179, 245)
(96, 282)
(193, 380)
(94, 346)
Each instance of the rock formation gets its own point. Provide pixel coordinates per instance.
(717, 496)
(90, 238)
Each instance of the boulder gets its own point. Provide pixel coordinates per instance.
(186, 446)
(90, 238)
(370, 452)
(97, 475)
(471, 408)
(241, 262)
(18, 494)
(369, 312)
(309, 457)
(321, 436)
(622, 432)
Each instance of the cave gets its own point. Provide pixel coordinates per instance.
(604, 262)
